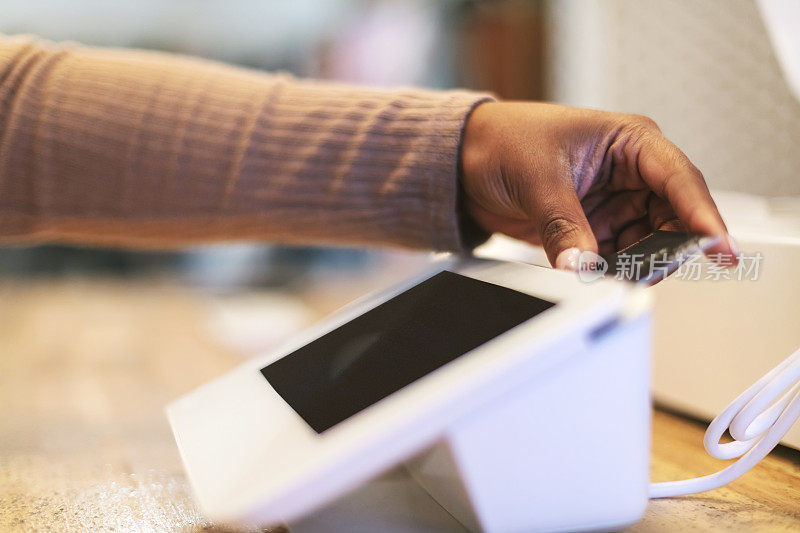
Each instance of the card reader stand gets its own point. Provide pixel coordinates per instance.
(544, 427)
(568, 451)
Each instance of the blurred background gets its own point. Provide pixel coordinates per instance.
(705, 71)
(94, 342)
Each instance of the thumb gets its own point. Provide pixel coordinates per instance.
(562, 225)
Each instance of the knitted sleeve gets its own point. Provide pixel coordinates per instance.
(140, 148)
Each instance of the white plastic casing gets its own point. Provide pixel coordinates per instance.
(567, 451)
(545, 427)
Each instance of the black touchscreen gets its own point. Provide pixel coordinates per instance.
(394, 344)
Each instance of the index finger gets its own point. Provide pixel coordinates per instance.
(671, 176)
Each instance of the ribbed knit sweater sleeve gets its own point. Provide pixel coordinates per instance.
(139, 148)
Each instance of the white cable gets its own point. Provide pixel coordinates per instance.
(757, 420)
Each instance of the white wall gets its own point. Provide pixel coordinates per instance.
(704, 70)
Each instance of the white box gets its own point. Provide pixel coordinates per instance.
(713, 339)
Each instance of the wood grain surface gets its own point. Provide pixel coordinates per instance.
(87, 366)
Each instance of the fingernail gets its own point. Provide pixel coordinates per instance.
(734, 250)
(734, 246)
(568, 259)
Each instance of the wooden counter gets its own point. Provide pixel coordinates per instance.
(87, 366)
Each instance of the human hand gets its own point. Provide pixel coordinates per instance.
(577, 179)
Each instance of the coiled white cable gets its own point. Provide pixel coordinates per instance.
(757, 420)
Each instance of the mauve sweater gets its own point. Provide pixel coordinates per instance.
(138, 148)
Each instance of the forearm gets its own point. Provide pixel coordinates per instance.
(138, 148)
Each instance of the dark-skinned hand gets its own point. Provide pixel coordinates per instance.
(574, 179)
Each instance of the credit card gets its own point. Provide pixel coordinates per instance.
(656, 256)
